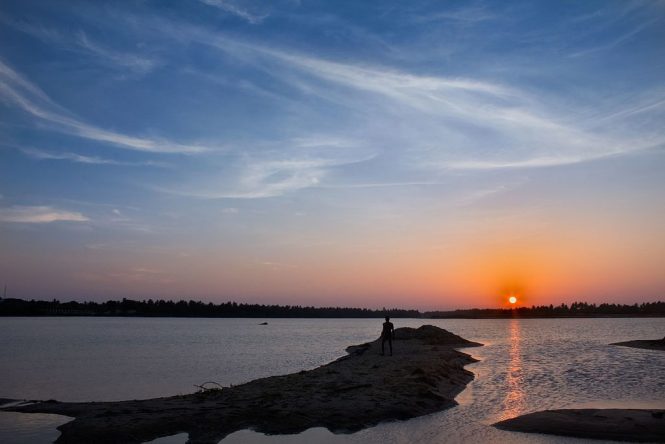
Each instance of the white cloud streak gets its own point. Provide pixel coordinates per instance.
(632, 109)
(268, 178)
(132, 62)
(39, 215)
(22, 93)
(79, 158)
(617, 41)
(467, 15)
(82, 44)
(234, 8)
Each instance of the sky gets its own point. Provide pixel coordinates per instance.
(421, 154)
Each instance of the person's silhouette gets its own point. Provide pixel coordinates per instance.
(387, 335)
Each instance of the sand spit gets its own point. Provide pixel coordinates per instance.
(356, 391)
(649, 344)
(634, 425)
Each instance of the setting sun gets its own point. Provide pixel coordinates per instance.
(512, 299)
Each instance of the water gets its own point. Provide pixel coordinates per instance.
(526, 365)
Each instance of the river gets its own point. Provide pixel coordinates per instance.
(525, 365)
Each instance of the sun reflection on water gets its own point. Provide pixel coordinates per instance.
(514, 402)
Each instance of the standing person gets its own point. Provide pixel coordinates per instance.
(387, 335)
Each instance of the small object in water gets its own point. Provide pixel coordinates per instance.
(263, 323)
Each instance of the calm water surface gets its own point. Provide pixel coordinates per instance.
(525, 365)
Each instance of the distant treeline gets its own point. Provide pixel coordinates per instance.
(161, 308)
(575, 310)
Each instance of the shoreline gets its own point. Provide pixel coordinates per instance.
(356, 391)
(435, 318)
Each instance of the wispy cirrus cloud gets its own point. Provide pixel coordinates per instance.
(468, 15)
(485, 124)
(81, 43)
(23, 94)
(553, 161)
(261, 178)
(235, 8)
(271, 168)
(426, 123)
(39, 215)
(133, 62)
(655, 103)
(79, 158)
(274, 178)
(616, 41)
(429, 122)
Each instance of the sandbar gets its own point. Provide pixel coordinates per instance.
(359, 390)
(635, 425)
(649, 344)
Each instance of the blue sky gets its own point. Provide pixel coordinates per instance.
(331, 152)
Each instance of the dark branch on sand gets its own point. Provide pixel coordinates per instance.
(203, 388)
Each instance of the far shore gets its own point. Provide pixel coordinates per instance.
(135, 315)
(230, 309)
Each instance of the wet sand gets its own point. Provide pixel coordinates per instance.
(354, 392)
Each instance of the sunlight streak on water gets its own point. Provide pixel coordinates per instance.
(514, 402)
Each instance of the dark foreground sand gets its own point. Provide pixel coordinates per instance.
(634, 425)
(356, 391)
(649, 344)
